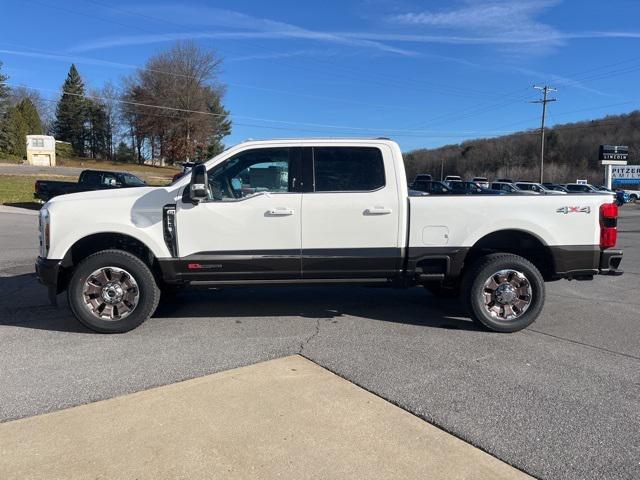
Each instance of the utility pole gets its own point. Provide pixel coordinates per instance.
(544, 100)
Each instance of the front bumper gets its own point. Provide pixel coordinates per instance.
(48, 272)
(610, 262)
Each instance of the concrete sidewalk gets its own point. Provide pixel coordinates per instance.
(286, 418)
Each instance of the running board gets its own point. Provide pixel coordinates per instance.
(300, 281)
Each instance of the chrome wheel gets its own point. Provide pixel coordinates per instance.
(110, 293)
(507, 295)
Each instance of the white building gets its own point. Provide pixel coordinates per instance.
(41, 150)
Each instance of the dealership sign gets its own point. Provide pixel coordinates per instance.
(625, 173)
(614, 152)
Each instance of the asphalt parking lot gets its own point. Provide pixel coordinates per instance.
(560, 400)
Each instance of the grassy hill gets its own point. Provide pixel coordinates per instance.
(571, 152)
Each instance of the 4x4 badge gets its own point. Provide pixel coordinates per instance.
(566, 210)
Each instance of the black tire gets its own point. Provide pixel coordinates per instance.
(441, 291)
(148, 291)
(474, 287)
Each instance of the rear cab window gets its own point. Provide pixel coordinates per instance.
(348, 169)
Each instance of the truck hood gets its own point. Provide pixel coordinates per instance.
(138, 207)
(118, 193)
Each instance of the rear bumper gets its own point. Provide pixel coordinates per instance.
(582, 262)
(610, 262)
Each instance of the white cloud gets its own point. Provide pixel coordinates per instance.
(491, 22)
(243, 27)
(512, 25)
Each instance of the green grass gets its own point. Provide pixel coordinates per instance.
(18, 189)
(147, 170)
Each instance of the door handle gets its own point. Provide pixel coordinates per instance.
(279, 212)
(377, 210)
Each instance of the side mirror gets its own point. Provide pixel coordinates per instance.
(198, 190)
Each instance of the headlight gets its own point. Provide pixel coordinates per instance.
(45, 232)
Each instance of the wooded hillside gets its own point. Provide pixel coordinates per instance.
(571, 152)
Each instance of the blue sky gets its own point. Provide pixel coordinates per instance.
(424, 73)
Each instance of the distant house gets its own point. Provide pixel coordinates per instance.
(41, 150)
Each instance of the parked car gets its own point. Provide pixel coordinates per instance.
(634, 195)
(422, 176)
(432, 187)
(89, 180)
(238, 219)
(538, 188)
(452, 178)
(622, 196)
(471, 188)
(554, 186)
(481, 181)
(504, 180)
(510, 188)
(582, 188)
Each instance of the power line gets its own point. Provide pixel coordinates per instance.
(435, 134)
(259, 119)
(544, 100)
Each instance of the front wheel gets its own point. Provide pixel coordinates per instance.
(504, 292)
(112, 291)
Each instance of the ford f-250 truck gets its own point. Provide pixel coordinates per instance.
(317, 212)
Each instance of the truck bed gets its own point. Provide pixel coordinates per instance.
(447, 227)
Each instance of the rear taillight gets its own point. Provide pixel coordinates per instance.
(608, 225)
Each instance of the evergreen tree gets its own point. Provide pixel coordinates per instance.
(123, 153)
(98, 129)
(71, 112)
(221, 126)
(17, 131)
(4, 106)
(30, 116)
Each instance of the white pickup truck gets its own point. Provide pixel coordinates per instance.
(317, 212)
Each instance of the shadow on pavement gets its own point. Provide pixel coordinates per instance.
(414, 306)
(24, 303)
(27, 205)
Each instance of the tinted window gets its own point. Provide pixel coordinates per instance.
(251, 172)
(347, 169)
(92, 178)
(132, 180)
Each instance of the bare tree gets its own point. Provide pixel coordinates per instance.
(174, 105)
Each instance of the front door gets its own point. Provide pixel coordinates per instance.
(351, 219)
(249, 229)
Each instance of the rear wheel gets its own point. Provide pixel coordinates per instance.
(504, 292)
(113, 292)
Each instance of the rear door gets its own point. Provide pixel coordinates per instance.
(351, 216)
